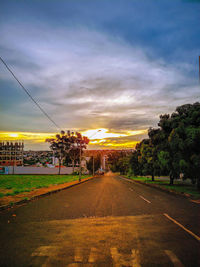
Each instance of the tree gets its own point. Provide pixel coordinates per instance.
(74, 156)
(81, 143)
(60, 145)
(97, 163)
(74, 152)
(134, 163)
(119, 161)
(181, 142)
(124, 163)
(173, 148)
(147, 157)
(65, 144)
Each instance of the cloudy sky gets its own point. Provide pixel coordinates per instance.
(114, 65)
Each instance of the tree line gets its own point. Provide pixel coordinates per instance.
(172, 149)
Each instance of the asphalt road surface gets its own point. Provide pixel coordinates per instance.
(107, 221)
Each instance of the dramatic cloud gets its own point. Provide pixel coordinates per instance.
(87, 78)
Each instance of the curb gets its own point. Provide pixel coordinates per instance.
(4, 207)
(185, 195)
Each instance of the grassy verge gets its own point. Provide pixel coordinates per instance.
(11, 185)
(178, 186)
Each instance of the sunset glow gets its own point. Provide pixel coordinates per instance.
(101, 133)
(103, 138)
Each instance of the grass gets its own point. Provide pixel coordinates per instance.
(179, 186)
(11, 185)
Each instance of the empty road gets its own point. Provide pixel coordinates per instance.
(107, 221)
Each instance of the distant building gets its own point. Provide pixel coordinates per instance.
(11, 153)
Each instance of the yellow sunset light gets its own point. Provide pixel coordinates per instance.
(35, 137)
(101, 137)
(13, 135)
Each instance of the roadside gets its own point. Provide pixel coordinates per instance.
(33, 186)
(180, 187)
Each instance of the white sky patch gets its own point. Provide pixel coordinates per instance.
(100, 134)
(103, 134)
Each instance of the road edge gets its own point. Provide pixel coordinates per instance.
(172, 192)
(7, 206)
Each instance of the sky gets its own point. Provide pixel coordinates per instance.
(109, 65)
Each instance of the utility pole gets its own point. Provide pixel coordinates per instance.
(93, 165)
(93, 154)
(80, 165)
(80, 157)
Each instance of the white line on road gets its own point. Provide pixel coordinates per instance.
(145, 199)
(44, 251)
(174, 221)
(174, 259)
(120, 259)
(135, 258)
(78, 255)
(93, 255)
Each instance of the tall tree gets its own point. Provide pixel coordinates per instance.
(60, 146)
(65, 144)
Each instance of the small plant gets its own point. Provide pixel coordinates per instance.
(26, 198)
(16, 192)
(10, 194)
(9, 187)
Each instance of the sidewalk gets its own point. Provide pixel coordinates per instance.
(8, 201)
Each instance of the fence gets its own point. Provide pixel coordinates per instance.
(37, 170)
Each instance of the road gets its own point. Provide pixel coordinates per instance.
(108, 221)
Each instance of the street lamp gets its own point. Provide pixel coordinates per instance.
(93, 154)
(81, 155)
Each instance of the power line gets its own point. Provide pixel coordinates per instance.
(27, 92)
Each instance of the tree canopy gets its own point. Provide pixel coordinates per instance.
(69, 145)
(173, 148)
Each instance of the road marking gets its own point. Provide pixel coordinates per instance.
(135, 258)
(44, 251)
(115, 255)
(93, 255)
(130, 189)
(120, 259)
(174, 259)
(74, 264)
(145, 199)
(78, 255)
(191, 233)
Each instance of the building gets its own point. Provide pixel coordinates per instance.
(11, 153)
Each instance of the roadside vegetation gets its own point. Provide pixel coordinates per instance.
(172, 149)
(11, 185)
(185, 187)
